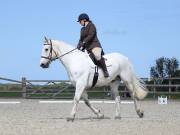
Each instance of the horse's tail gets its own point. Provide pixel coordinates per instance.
(135, 85)
(140, 90)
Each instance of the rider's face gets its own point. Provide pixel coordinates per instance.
(82, 22)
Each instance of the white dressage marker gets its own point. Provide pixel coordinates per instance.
(93, 101)
(162, 100)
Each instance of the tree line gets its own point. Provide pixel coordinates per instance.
(165, 68)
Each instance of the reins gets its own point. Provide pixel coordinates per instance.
(66, 53)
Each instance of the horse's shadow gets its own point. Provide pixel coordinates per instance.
(84, 118)
(97, 119)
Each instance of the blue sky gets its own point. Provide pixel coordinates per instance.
(142, 30)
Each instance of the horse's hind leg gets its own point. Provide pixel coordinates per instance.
(129, 84)
(114, 88)
(139, 112)
(86, 100)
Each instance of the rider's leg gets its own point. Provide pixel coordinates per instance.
(102, 64)
(97, 51)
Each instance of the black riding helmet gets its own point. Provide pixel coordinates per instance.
(83, 16)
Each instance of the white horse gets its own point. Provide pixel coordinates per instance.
(80, 69)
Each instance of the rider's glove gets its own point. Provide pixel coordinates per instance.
(81, 46)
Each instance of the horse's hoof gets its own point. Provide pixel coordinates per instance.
(100, 116)
(140, 114)
(70, 119)
(117, 117)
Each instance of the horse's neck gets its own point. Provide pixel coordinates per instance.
(69, 58)
(62, 47)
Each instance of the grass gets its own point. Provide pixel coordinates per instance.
(10, 94)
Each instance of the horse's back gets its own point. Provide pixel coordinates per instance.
(115, 57)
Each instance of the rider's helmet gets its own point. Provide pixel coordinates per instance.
(83, 16)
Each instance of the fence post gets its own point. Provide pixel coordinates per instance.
(125, 92)
(154, 89)
(170, 82)
(23, 87)
(104, 92)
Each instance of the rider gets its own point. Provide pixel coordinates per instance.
(89, 41)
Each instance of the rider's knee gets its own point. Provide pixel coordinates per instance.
(97, 52)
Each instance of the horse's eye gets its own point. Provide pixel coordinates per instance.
(46, 49)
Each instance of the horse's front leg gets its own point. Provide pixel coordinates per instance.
(78, 92)
(96, 111)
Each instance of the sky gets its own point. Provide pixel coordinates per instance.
(142, 30)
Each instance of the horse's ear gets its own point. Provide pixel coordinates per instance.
(46, 39)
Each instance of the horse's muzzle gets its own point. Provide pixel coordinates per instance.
(44, 65)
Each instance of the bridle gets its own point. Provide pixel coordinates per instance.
(50, 54)
(52, 51)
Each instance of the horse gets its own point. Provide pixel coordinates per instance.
(80, 69)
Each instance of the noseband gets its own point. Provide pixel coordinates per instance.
(52, 50)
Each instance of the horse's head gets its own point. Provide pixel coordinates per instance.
(48, 53)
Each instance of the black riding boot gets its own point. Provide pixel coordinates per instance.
(102, 64)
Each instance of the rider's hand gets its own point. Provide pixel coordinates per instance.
(83, 49)
(78, 47)
(81, 45)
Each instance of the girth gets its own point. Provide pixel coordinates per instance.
(95, 78)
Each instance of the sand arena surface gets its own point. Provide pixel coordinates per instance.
(29, 117)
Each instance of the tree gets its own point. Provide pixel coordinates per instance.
(178, 73)
(153, 72)
(165, 67)
(158, 71)
(171, 67)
